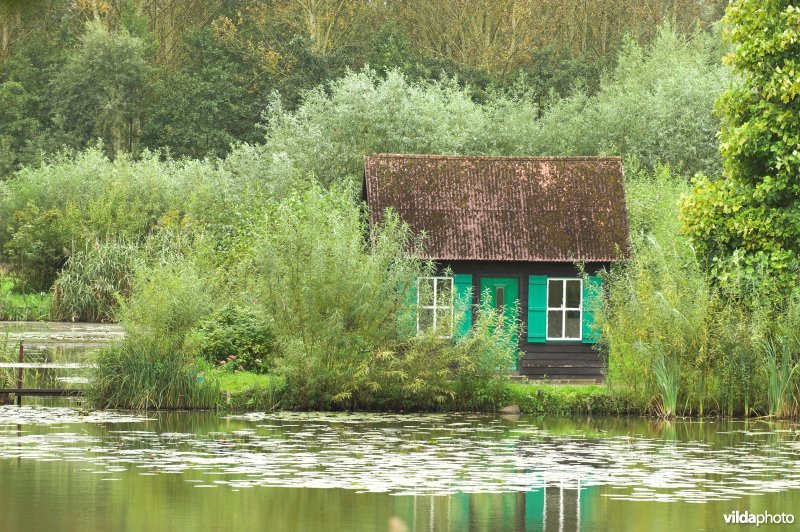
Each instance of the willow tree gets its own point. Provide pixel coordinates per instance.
(747, 222)
(103, 89)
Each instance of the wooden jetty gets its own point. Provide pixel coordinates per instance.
(20, 391)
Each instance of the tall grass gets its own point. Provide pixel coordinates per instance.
(144, 375)
(667, 370)
(7, 354)
(781, 366)
(150, 368)
(94, 282)
(699, 346)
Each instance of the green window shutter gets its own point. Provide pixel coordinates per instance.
(463, 287)
(537, 309)
(592, 299)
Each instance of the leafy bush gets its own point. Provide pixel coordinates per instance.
(234, 331)
(750, 217)
(77, 202)
(488, 352)
(337, 305)
(332, 295)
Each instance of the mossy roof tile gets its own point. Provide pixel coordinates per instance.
(504, 208)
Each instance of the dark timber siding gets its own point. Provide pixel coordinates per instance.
(556, 360)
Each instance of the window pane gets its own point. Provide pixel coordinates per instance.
(444, 292)
(554, 323)
(555, 293)
(425, 317)
(425, 288)
(444, 322)
(573, 294)
(573, 324)
(500, 299)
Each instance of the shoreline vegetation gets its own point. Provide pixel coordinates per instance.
(255, 261)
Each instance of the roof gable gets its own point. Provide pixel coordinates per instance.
(504, 208)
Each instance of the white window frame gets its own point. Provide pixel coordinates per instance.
(563, 308)
(436, 306)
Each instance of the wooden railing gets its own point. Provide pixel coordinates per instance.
(21, 365)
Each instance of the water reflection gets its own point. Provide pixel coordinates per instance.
(63, 345)
(310, 471)
(432, 472)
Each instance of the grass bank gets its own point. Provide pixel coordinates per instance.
(249, 391)
(572, 400)
(15, 306)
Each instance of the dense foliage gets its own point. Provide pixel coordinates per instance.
(236, 338)
(194, 79)
(750, 218)
(193, 173)
(656, 106)
(310, 300)
(730, 349)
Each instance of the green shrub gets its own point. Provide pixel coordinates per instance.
(234, 331)
(50, 212)
(488, 353)
(338, 306)
(37, 247)
(331, 295)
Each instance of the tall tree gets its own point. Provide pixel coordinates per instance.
(750, 218)
(17, 18)
(103, 89)
(494, 35)
(327, 24)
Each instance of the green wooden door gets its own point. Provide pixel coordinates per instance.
(502, 294)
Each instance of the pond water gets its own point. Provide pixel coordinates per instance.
(61, 469)
(54, 343)
(65, 469)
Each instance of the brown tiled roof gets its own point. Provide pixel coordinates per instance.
(504, 208)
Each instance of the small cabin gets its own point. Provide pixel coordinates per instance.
(524, 235)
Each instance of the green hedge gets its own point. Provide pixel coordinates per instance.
(559, 400)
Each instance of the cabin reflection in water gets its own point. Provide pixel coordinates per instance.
(558, 507)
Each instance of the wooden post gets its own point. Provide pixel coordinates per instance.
(19, 372)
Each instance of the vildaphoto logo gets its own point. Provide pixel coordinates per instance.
(746, 518)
